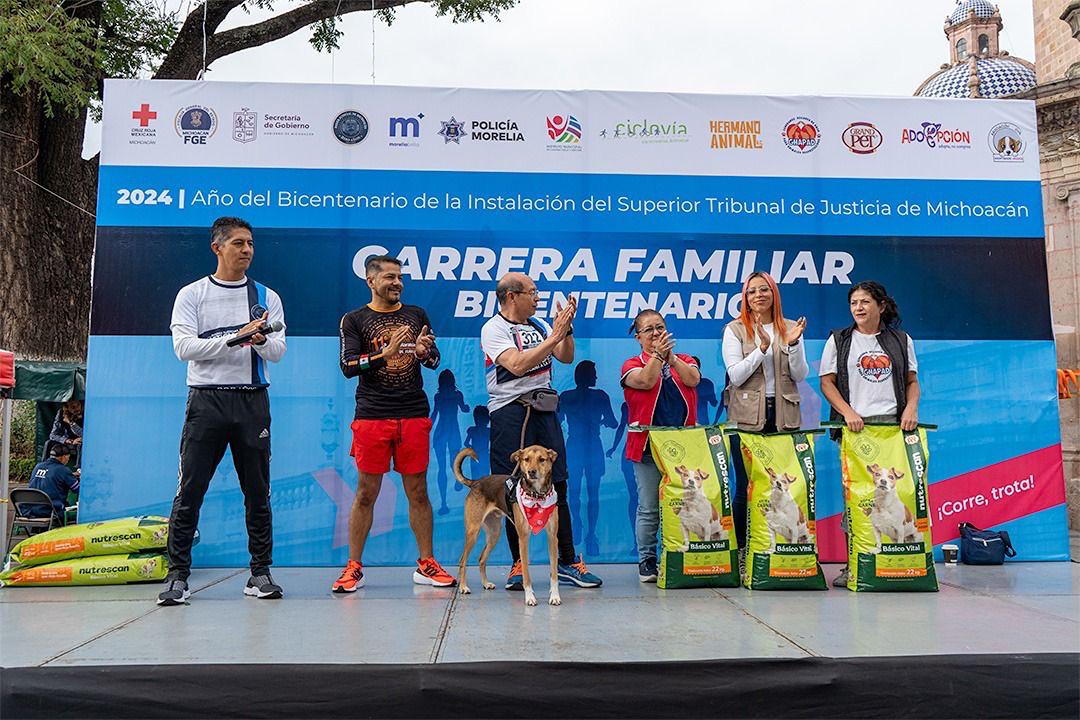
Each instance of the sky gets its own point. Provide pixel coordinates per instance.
(772, 47)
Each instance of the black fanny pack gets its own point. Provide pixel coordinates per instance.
(541, 400)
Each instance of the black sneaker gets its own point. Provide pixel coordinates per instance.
(646, 570)
(176, 594)
(263, 587)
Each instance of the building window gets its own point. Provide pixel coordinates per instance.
(984, 44)
(961, 49)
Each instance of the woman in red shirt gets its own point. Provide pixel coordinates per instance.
(658, 385)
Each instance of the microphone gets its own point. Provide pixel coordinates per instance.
(264, 329)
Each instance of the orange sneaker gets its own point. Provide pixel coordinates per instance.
(514, 579)
(352, 577)
(429, 572)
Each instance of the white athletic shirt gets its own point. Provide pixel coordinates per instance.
(210, 311)
(499, 335)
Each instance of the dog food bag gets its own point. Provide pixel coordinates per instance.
(112, 537)
(885, 500)
(781, 523)
(96, 570)
(697, 534)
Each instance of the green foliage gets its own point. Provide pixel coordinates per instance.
(61, 50)
(23, 425)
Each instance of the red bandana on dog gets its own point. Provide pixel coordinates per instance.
(537, 510)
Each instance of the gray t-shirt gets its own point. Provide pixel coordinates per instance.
(499, 335)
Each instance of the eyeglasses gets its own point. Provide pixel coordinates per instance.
(531, 293)
(653, 329)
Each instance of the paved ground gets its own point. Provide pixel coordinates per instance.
(1018, 608)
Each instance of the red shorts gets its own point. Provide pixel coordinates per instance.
(406, 440)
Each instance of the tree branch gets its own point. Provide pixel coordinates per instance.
(279, 26)
(185, 57)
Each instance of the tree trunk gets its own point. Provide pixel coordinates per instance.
(46, 244)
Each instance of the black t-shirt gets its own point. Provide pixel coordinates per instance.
(388, 388)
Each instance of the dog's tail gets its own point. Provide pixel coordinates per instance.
(459, 461)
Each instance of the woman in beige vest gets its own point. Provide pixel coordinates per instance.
(765, 361)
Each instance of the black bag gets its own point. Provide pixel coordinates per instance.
(541, 400)
(984, 547)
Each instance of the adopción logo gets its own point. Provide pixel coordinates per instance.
(934, 135)
(862, 138)
(801, 135)
(350, 127)
(735, 134)
(196, 124)
(1006, 143)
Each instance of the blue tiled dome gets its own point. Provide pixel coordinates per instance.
(998, 77)
(982, 9)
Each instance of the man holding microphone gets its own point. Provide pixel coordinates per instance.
(226, 327)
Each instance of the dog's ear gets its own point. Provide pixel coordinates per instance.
(681, 469)
(552, 455)
(771, 472)
(516, 456)
(873, 468)
(896, 473)
(702, 474)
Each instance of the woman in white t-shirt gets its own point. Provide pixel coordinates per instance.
(868, 369)
(765, 361)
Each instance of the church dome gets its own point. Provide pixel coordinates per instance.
(997, 77)
(963, 8)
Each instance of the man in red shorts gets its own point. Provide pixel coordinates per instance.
(384, 344)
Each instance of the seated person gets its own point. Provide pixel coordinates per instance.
(67, 428)
(55, 479)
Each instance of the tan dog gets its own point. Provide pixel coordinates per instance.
(486, 506)
(783, 516)
(696, 514)
(889, 516)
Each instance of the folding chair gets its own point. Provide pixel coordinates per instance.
(25, 501)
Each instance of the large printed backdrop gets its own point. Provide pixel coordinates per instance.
(629, 200)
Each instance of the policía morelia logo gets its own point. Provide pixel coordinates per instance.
(1006, 143)
(350, 127)
(196, 124)
(801, 135)
(452, 131)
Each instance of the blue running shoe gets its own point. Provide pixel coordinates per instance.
(577, 574)
(514, 581)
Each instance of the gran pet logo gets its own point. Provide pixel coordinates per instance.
(802, 447)
(245, 126)
(862, 138)
(405, 131)
(452, 131)
(143, 133)
(1006, 143)
(934, 135)
(196, 124)
(801, 135)
(564, 132)
(735, 135)
(647, 131)
(350, 127)
(912, 439)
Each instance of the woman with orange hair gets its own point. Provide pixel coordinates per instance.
(765, 360)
